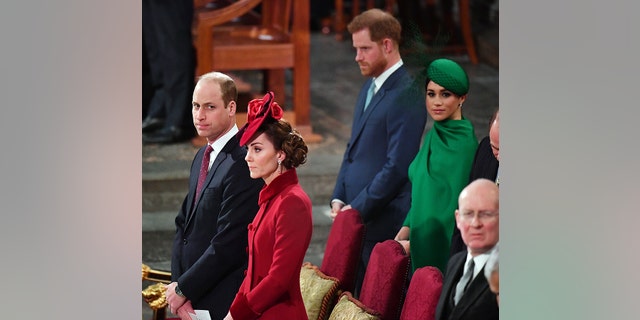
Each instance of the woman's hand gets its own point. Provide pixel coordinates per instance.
(406, 245)
(403, 238)
(403, 234)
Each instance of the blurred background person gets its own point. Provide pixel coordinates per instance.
(492, 273)
(168, 78)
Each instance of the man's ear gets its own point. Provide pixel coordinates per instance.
(232, 108)
(457, 214)
(387, 44)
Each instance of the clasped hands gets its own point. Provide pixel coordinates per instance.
(177, 304)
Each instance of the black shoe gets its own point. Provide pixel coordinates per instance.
(152, 124)
(168, 135)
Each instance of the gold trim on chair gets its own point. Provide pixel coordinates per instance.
(154, 295)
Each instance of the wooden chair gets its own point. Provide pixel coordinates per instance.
(340, 22)
(278, 42)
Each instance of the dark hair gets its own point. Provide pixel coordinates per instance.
(287, 139)
(426, 84)
(381, 25)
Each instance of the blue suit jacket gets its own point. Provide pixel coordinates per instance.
(209, 255)
(385, 138)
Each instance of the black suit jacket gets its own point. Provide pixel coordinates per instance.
(485, 165)
(477, 303)
(209, 250)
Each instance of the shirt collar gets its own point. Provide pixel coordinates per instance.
(222, 141)
(479, 261)
(379, 81)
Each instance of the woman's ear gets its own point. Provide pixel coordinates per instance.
(462, 99)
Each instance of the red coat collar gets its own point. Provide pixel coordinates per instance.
(281, 182)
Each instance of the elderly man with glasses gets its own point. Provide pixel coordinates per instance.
(465, 295)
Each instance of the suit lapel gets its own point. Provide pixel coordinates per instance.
(452, 275)
(451, 285)
(193, 182)
(220, 158)
(360, 115)
(476, 288)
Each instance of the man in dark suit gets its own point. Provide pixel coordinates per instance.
(465, 291)
(209, 255)
(389, 119)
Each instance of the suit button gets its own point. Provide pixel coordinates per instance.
(184, 241)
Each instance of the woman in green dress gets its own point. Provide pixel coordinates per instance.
(441, 168)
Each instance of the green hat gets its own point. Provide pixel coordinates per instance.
(449, 75)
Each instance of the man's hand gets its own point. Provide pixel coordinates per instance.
(185, 310)
(173, 299)
(336, 207)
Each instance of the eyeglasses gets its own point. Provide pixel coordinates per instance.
(482, 216)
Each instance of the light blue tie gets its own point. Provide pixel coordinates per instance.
(370, 94)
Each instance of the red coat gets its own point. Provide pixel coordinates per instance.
(278, 240)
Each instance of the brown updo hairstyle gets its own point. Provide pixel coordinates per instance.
(287, 139)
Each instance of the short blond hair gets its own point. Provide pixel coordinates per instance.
(227, 85)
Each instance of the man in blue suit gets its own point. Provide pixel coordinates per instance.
(389, 119)
(209, 257)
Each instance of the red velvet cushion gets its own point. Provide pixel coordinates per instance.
(344, 247)
(423, 294)
(385, 279)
